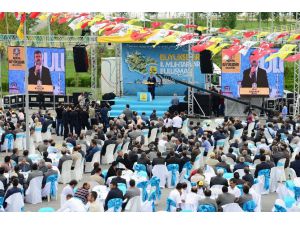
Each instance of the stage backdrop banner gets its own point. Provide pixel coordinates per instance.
(139, 60)
(46, 70)
(233, 76)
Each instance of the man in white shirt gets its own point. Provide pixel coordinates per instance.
(233, 189)
(93, 205)
(163, 141)
(177, 122)
(72, 205)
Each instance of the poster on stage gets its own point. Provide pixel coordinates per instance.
(46, 70)
(237, 79)
(141, 60)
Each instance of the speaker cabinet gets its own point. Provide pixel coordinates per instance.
(81, 61)
(206, 64)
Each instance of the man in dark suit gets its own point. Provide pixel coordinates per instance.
(119, 179)
(173, 159)
(159, 160)
(262, 166)
(254, 75)
(114, 192)
(39, 73)
(219, 179)
(224, 198)
(151, 85)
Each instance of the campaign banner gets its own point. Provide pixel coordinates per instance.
(237, 79)
(46, 70)
(141, 60)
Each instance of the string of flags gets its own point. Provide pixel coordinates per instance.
(121, 30)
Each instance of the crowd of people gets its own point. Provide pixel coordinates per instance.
(213, 148)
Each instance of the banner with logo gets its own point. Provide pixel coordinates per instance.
(46, 70)
(141, 60)
(237, 80)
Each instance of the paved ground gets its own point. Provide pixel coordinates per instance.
(267, 200)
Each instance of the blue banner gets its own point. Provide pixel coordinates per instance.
(46, 67)
(139, 60)
(236, 70)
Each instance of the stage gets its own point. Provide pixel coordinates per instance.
(161, 104)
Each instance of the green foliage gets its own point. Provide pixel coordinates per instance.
(229, 20)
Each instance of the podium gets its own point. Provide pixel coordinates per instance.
(144, 96)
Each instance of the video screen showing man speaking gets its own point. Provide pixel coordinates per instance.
(255, 76)
(39, 74)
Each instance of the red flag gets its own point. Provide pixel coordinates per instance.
(293, 58)
(120, 19)
(111, 30)
(266, 45)
(223, 30)
(137, 35)
(233, 50)
(202, 47)
(23, 18)
(84, 25)
(63, 20)
(298, 37)
(236, 42)
(258, 54)
(2, 15)
(156, 24)
(191, 26)
(282, 35)
(249, 34)
(33, 15)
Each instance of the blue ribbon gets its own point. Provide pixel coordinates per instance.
(188, 166)
(143, 185)
(140, 167)
(10, 141)
(38, 129)
(266, 174)
(297, 192)
(115, 203)
(249, 206)
(122, 187)
(170, 202)
(46, 209)
(152, 198)
(52, 179)
(154, 182)
(289, 201)
(20, 135)
(240, 186)
(206, 208)
(104, 173)
(280, 164)
(70, 146)
(1, 201)
(221, 168)
(279, 208)
(173, 168)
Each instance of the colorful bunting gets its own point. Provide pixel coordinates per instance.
(2, 15)
(293, 58)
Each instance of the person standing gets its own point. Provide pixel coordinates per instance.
(151, 85)
(59, 122)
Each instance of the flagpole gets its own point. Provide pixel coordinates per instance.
(6, 14)
(26, 94)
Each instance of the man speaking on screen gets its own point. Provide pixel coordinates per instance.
(39, 74)
(255, 76)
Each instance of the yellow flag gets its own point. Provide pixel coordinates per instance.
(262, 34)
(44, 16)
(282, 53)
(200, 28)
(167, 26)
(20, 31)
(293, 37)
(132, 21)
(231, 32)
(96, 19)
(216, 40)
(219, 48)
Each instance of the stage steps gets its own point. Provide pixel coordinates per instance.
(161, 104)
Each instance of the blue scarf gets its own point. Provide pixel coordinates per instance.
(249, 206)
(279, 208)
(152, 198)
(143, 185)
(188, 166)
(154, 182)
(52, 179)
(206, 208)
(115, 203)
(266, 174)
(170, 202)
(10, 141)
(173, 168)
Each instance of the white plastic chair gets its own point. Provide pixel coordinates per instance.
(8, 143)
(109, 154)
(241, 172)
(133, 205)
(34, 191)
(15, 203)
(89, 165)
(216, 190)
(290, 173)
(46, 191)
(19, 141)
(48, 135)
(232, 207)
(162, 173)
(268, 136)
(238, 133)
(77, 173)
(125, 147)
(66, 172)
(153, 135)
(250, 128)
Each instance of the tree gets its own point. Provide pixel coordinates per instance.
(265, 16)
(229, 20)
